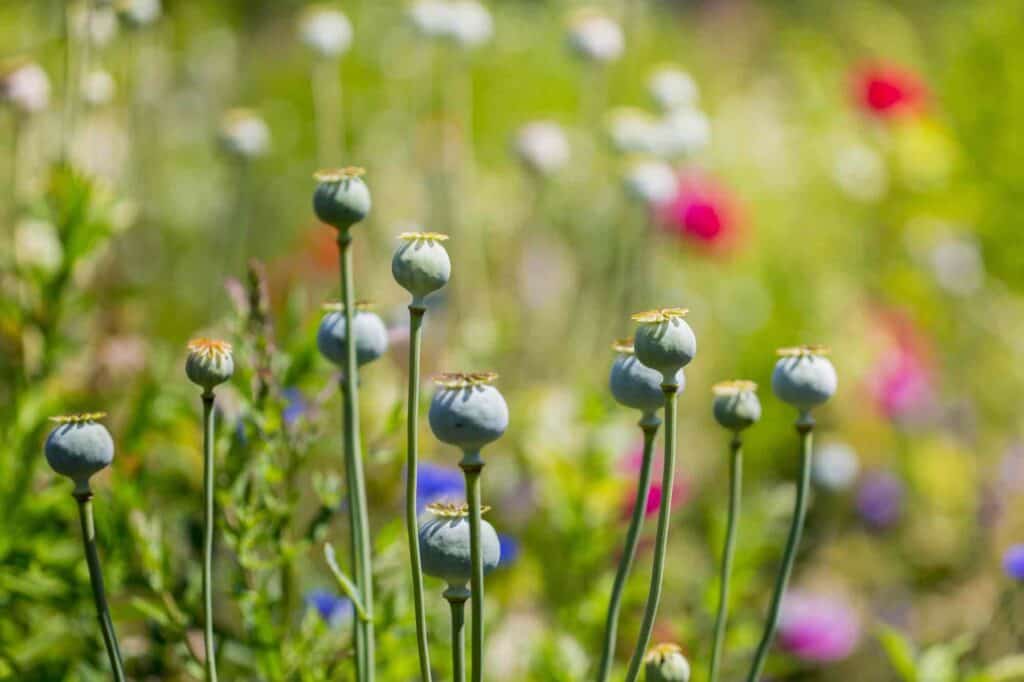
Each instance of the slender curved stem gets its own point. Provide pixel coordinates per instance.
(208, 524)
(805, 427)
(643, 488)
(457, 599)
(661, 539)
(356, 485)
(472, 465)
(92, 558)
(735, 493)
(412, 423)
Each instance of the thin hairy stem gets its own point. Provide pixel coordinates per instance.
(411, 463)
(735, 492)
(208, 525)
(92, 558)
(643, 488)
(661, 540)
(804, 427)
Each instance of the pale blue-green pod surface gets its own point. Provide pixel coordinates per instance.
(371, 337)
(209, 363)
(666, 663)
(444, 548)
(421, 265)
(664, 341)
(804, 379)
(468, 417)
(341, 198)
(78, 448)
(637, 386)
(736, 405)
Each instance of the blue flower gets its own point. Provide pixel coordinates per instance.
(1013, 562)
(880, 500)
(295, 407)
(333, 609)
(436, 483)
(509, 550)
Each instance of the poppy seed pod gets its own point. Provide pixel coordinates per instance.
(421, 264)
(635, 385)
(736, 405)
(664, 341)
(79, 447)
(209, 363)
(371, 335)
(445, 547)
(666, 663)
(803, 377)
(467, 411)
(341, 198)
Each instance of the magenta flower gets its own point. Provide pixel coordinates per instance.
(703, 213)
(818, 627)
(903, 385)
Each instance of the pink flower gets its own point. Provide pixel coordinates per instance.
(703, 213)
(818, 628)
(888, 91)
(903, 384)
(680, 496)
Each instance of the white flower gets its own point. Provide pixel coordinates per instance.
(596, 37)
(633, 131)
(97, 23)
(432, 18)
(139, 13)
(957, 266)
(652, 182)
(672, 88)
(37, 246)
(470, 23)
(325, 30)
(682, 133)
(860, 172)
(836, 466)
(26, 87)
(98, 87)
(543, 146)
(244, 133)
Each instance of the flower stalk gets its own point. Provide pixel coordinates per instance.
(208, 527)
(457, 597)
(805, 428)
(728, 552)
(649, 425)
(471, 465)
(671, 392)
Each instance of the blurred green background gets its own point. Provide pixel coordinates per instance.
(849, 174)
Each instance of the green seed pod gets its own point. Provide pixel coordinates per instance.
(467, 411)
(666, 663)
(444, 544)
(736, 406)
(371, 335)
(421, 264)
(209, 363)
(803, 377)
(341, 198)
(635, 385)
(79, 447)
(664, 341)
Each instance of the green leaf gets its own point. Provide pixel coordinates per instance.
(900, 651)
(344, 582)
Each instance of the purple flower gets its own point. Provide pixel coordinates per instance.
(509, 550)
(435, 483)
(333, 609)
(295, 405)
(1013, 562)
(880, 499)
(818, 628)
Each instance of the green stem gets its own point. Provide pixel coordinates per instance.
(735, 492)
(84, 499)
(649, 424)
(472, 465)
(411, 461)
(208, 524)
(356, 485)
(805, 427)
(457, 597)
(661, 539)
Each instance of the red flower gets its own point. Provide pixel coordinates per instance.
(888, 91)
(703, 213)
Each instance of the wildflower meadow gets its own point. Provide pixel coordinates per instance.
(511, 340)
